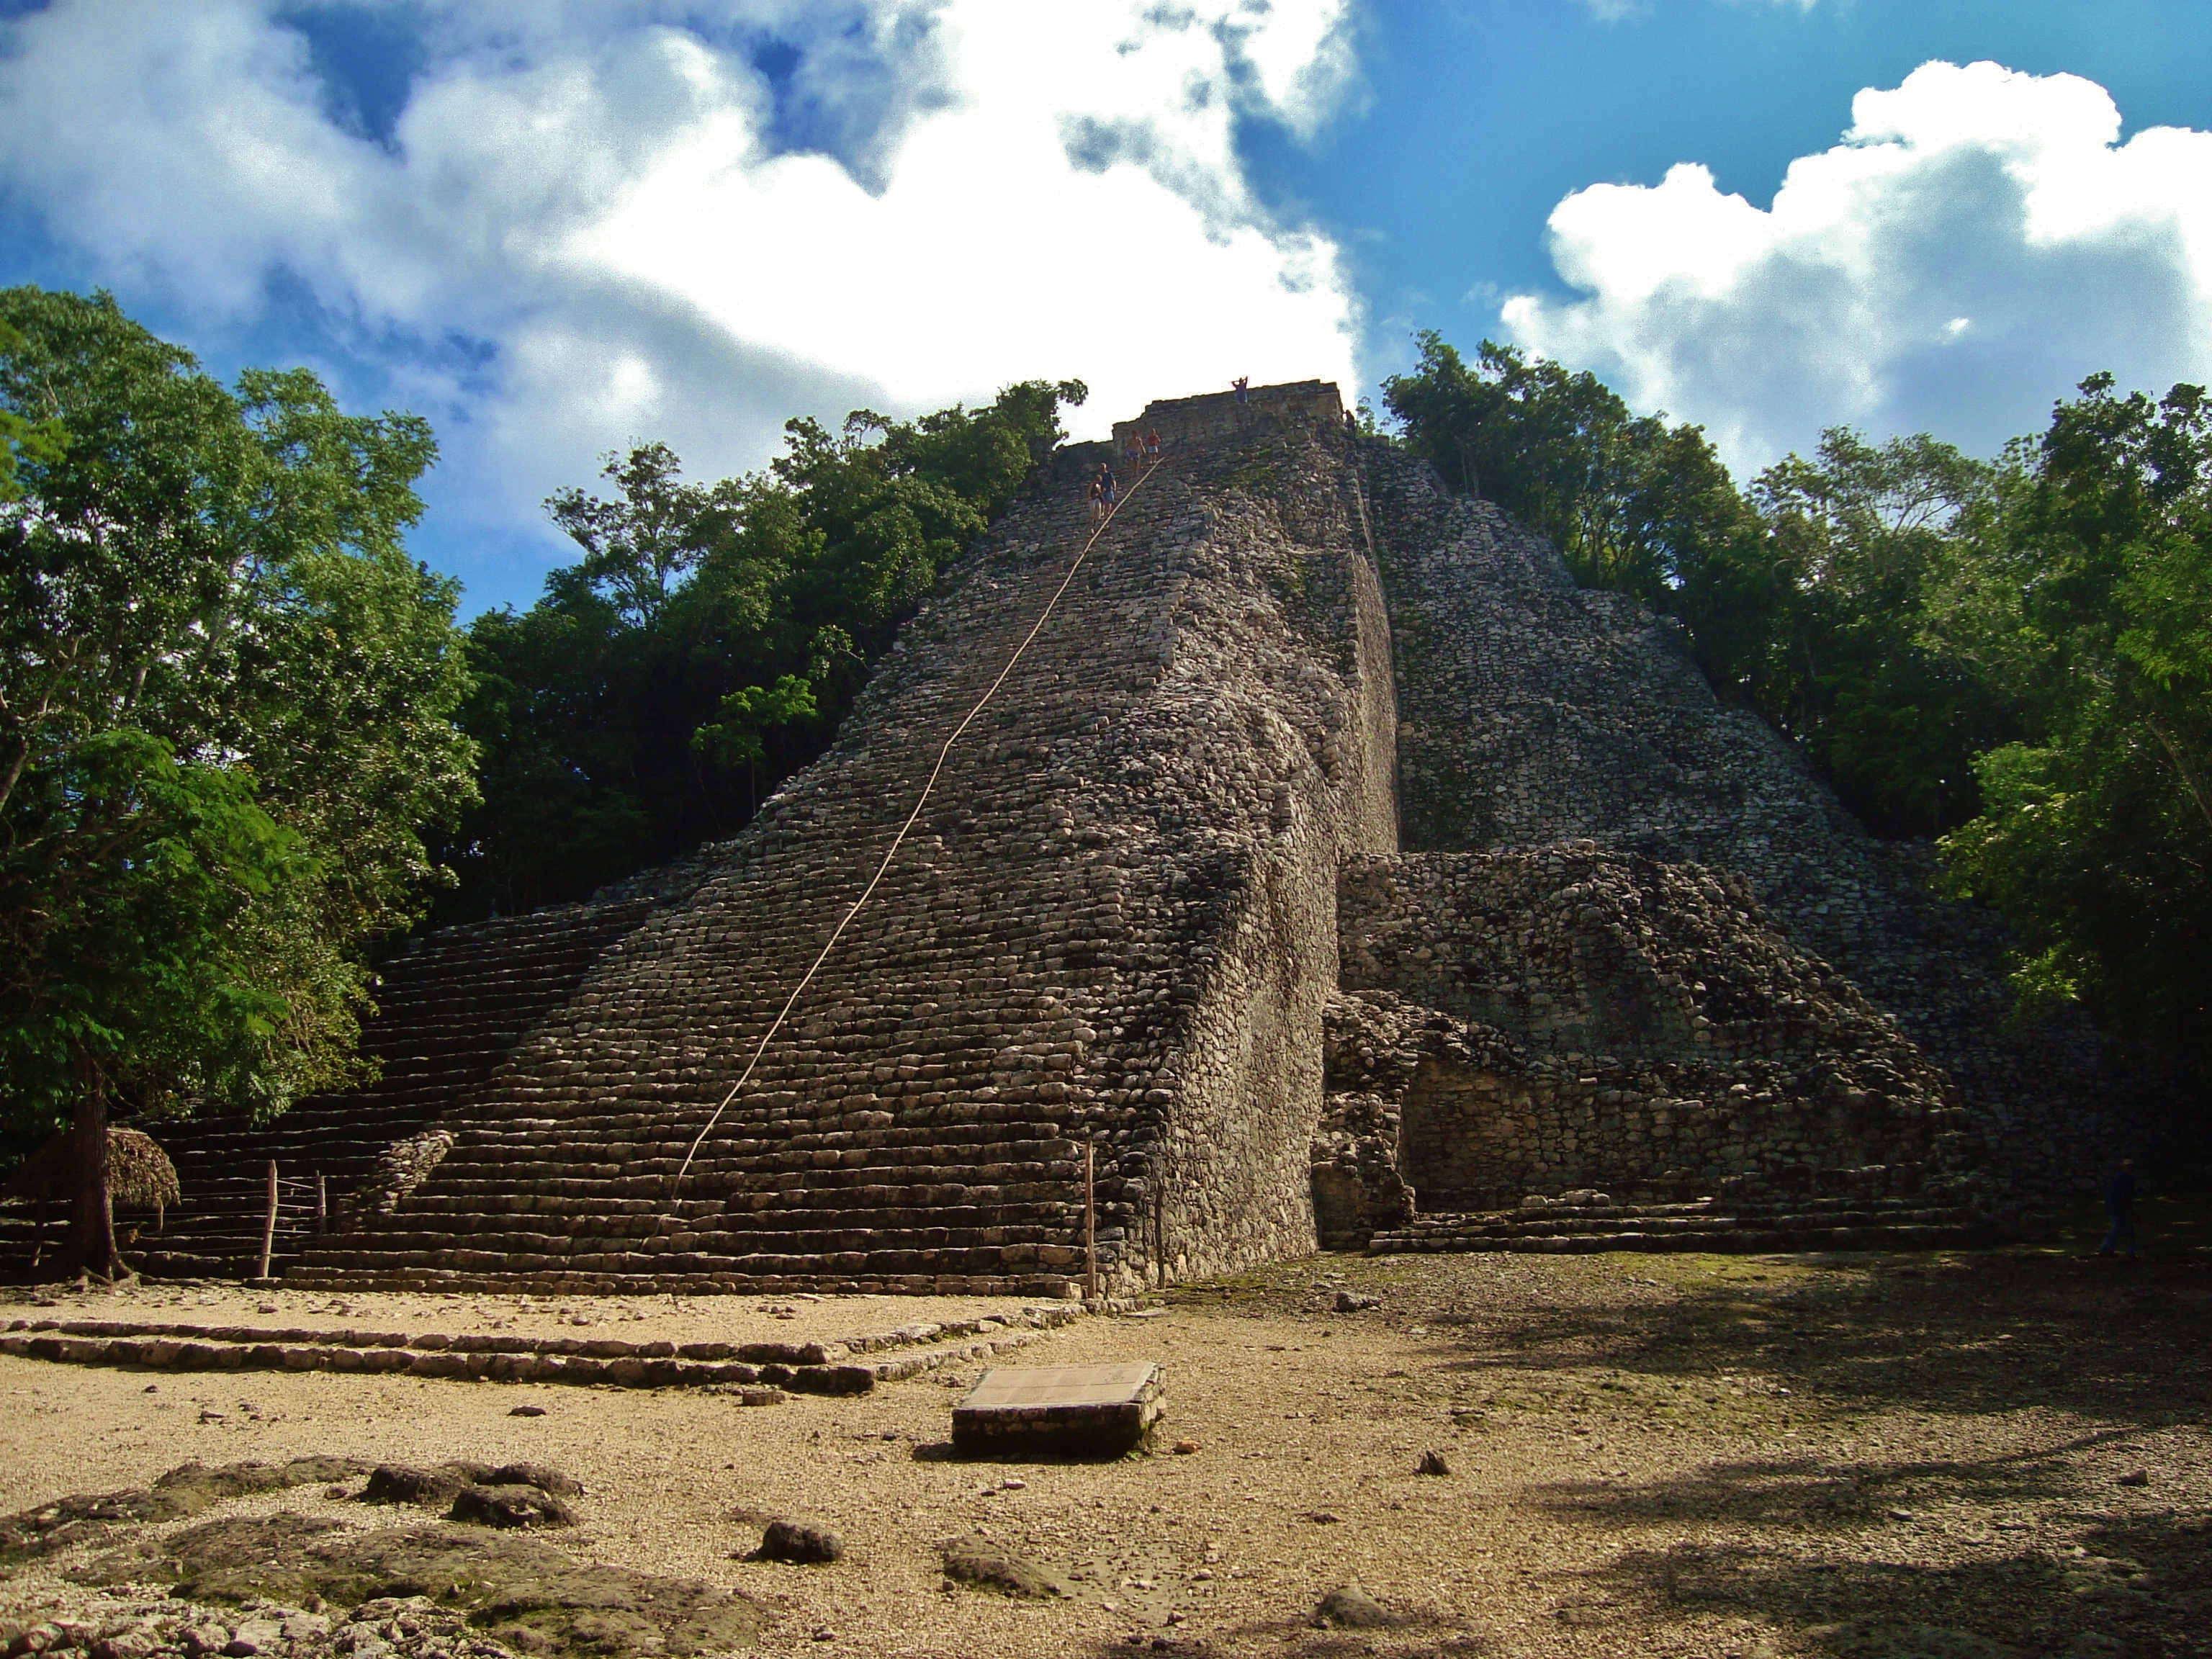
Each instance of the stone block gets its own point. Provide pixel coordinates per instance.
(1068, 1410)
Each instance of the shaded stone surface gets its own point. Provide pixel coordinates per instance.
(526, 1595)
(516, 1506)
(808, 1542)
(984, 1566)
(184, 1490)
(1081, 1411)
(1350, 1608)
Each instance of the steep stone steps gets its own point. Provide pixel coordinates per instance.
(1026, 977)
(448, 1012)
(1813, 1224)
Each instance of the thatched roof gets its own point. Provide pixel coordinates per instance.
(138, 1171)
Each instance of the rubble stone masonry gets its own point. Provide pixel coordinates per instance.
(1115, 923)
(1157, 907)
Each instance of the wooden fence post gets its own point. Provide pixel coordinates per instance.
(1091, 1220)
(268, 1223)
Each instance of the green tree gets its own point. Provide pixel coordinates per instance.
(710, 636)
(2094, 606)
(1865, 551)
(1808, 598)
(1630, 502)
(225, 717)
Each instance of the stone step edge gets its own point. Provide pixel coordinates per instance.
(156, 1353)
(1956, 1235)
(1687, 1226)
(595, 1281)
(833, 1352)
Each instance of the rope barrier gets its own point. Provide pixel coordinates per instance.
(899, 840)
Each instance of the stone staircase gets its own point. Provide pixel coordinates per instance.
(1066, 949)
(1772, 1225)
(448, 1012)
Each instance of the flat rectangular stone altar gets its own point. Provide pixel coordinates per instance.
(1083, 1411)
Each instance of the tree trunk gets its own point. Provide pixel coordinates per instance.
(96, 1215)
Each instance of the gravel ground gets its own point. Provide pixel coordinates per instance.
(1858, 1457)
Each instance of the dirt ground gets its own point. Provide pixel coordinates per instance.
(1951, 1456)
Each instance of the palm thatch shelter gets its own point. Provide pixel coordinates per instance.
(139, 1176)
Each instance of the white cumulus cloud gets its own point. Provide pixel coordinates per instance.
(1979, 241)
(601, 219)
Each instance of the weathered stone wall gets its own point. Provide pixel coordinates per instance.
(1568, 1018)
(1534, 712)
(1157, 908)
(1113, 923)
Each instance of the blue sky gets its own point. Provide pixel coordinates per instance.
(554, 227)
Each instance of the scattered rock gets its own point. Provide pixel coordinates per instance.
(808, 1542)
(1350, 1608)
(526, 1411)
(184, 1490)
(402, 1483)
(252, 1636)
(1351, 1302)
(1433, 1462)
(987, 1567)
(522, 1592)
(1186, 1448)
(2133, 1478)
(510, 1506)
(540, 1475)
(762, 1396)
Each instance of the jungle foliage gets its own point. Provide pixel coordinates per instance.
(709, 637)
(225, 702)
(2015, 656)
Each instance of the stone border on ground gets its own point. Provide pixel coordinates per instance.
(828, 1368)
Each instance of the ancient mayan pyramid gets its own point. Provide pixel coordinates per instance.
(1330, 861)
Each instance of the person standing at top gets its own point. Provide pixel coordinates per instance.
(1152, 445)
(1242, 386)
(1134, 451)
(2120, 1211)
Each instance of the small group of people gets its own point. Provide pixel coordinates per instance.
(1105, 492)
(1142, 450)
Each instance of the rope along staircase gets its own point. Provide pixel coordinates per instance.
(607, 1174)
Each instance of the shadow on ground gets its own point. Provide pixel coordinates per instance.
(1890, 1536)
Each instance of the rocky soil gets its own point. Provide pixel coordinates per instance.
(1969, 1456)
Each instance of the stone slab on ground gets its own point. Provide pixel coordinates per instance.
(1094, 1411)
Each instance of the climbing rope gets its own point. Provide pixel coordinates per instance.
(899, 840)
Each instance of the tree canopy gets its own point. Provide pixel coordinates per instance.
(2093, 615)
(226, 700)
(709, 637)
